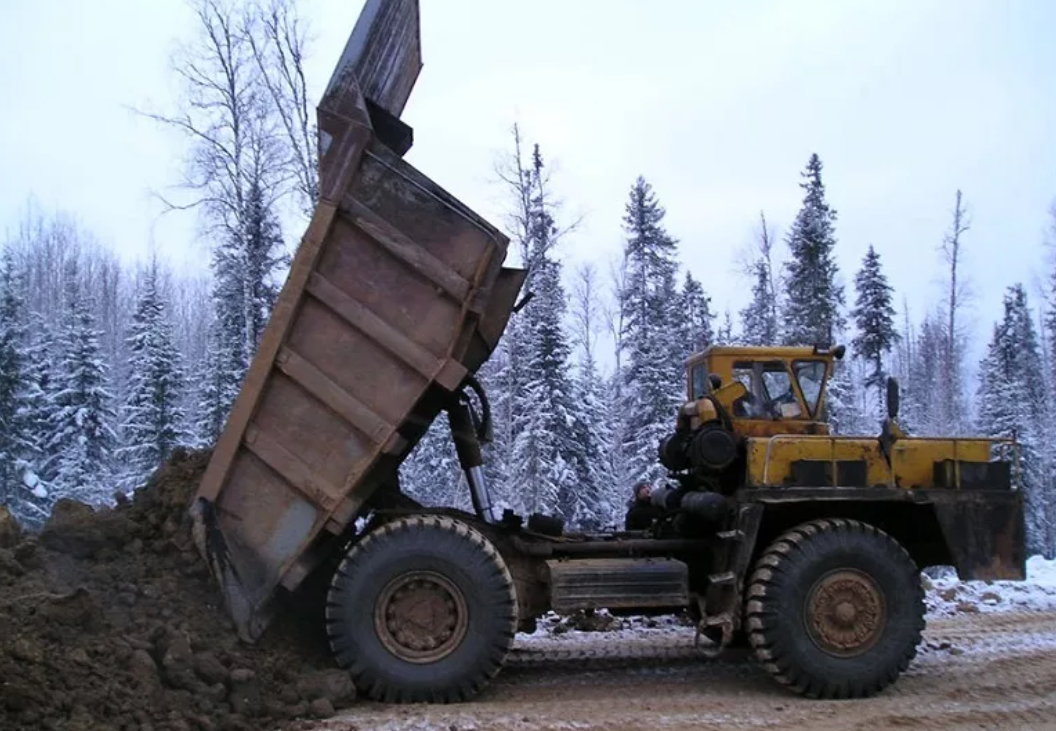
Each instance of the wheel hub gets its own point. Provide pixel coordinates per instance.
(421, 617)
(845, 613)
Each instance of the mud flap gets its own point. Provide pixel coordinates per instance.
(209, 539)
(985, 534)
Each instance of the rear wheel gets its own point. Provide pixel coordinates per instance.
(422, 609)
(835, 609)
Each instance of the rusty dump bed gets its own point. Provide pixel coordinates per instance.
(397, 292)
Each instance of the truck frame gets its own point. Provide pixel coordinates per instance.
(773, 532)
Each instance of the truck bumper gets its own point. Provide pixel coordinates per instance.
(984, 532)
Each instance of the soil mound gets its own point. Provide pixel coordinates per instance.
(111, 621)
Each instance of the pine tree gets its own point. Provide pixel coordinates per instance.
(725, 334)
(595, 415)
(432, 474)
(875, 318)
(41, 407)
(547, 459)
(504, 374)
(920, 390)
(244, 294)
(759, 320)
(264, 256)
(842, 409)
(81, 438)
(652, 374)
(216, 389)
(153, 422)
(813, 296)
(1011, 396)
(698, 332)
(20, 488)
(1048, 331)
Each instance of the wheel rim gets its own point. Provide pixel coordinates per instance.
(421, 617)
(845, 613)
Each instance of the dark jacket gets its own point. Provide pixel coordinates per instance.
(641, 514)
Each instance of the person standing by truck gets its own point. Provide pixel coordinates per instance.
(640, 510)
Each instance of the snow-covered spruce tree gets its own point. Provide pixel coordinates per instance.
(697, 329)
(244, 293)
(20, 487)
(1049, 453)
(875, 317)
(759, 320)
(264, 256)
(651, 338)
(813, 297)
(505, 373)
(42, 384)
(216, 388)
(81, 438)
(921, 391)
(432, 474)
(725, 335)
(498, 376)
(153, 422)
(12, 343)
(842, 405)
(548, 460)
(1010, 396)
(596, 417)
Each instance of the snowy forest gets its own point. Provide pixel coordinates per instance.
(106, 367)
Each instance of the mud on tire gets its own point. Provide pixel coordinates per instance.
(835, 609)
(422, 609)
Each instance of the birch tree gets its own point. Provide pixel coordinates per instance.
(951, 391)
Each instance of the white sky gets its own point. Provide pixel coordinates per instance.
(718, 104)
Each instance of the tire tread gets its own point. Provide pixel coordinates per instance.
(762, 613)
(504, 608)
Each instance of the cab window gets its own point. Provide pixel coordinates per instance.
(811, 377)
(771, 394)
(699, 376)
(781, 400)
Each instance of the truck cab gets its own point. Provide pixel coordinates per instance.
(765, 390)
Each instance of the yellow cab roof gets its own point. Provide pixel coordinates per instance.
(761, 351)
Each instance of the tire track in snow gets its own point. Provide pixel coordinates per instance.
(974, 671)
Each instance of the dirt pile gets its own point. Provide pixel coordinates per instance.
(110, 620)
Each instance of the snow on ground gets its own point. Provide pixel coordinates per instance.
(947, 596)
(554, 632)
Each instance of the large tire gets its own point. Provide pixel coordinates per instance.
(835, 609)
(422, 609)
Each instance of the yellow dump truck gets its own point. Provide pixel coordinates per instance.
(806, 545)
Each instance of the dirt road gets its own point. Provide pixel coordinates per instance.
(975, 671)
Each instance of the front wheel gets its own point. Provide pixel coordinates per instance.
(422, 609)
(835, 609)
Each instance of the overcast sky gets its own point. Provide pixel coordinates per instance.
(718, 104)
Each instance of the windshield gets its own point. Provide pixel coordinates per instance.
(811, 377)
(770, 391)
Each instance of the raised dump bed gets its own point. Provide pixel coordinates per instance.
(396, 294)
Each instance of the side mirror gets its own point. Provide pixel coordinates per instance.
(892, 398)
